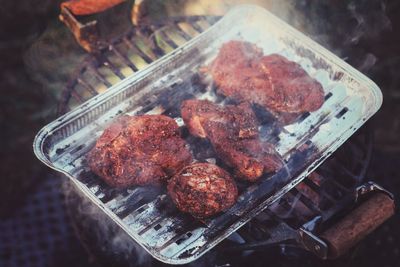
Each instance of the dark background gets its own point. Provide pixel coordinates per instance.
(38, 56)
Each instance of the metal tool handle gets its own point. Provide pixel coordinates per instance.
(87, 34)
(88, 7)
(358, 224)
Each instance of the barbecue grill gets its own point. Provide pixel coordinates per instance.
(275, 230)
(286, 222)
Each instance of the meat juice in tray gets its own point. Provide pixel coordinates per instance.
(252, 126)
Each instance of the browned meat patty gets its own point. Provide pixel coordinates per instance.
(242, 73)
(232, 130)
(300, 92)
(139, 150)
(202, 189)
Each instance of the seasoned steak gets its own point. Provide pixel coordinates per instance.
(232, 131)
(202, 189)
(241, 72)
(139, 150)
(296, 91)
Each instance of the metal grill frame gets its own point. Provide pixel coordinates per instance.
(214, 224)
(129, 39)
(357, 151)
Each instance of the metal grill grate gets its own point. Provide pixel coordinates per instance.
(146, 211)
(326, 192)
(269, 229)
(127, 54)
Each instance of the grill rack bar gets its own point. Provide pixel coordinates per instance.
(145, 33)
(102, 61)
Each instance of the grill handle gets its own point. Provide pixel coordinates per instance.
(358, 224)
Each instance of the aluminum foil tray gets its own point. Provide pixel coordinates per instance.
(147, 214)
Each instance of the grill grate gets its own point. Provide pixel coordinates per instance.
(127, 54)
(171, 232)
(264, 231)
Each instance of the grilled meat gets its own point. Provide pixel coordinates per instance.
(232, 69)
(139, 150)
(295, 90)
(232, 130)
(242, 73)
(202, 189)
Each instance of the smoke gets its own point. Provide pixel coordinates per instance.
(370, 22)
(344, 27)
(368, 62)
(277, 207)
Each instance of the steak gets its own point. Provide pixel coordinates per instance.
(233, 133)
(139, 150)
(279, 85)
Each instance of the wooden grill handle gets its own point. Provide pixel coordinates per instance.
(88, 7)
(358, 224)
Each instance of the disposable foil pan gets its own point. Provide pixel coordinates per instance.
(150, 218)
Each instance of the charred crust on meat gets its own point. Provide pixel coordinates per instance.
(233, 133)
(139, 150)
(203, 190)
(243, 73)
